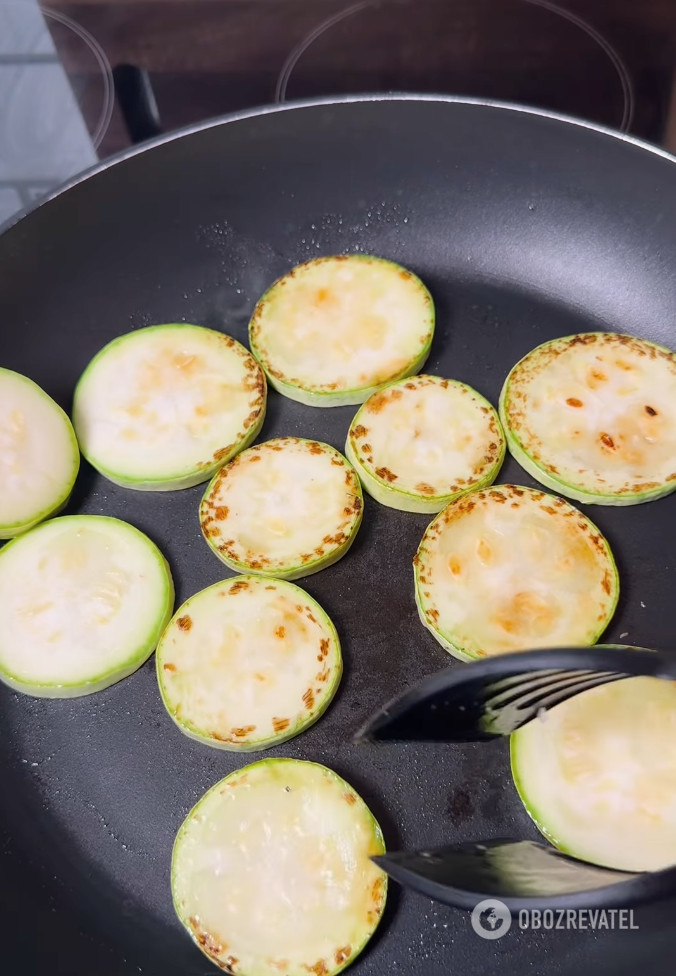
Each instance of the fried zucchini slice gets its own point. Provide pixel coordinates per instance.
(421, 443)
(39, 456)
(508, 569)
(272, 872)
(248, 663)
(592, 417)
(83, 601)
(334, 330)
(598, 774)
(285, 508)
(164, 407)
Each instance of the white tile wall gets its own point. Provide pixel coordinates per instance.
(43, 137)
(22, 29)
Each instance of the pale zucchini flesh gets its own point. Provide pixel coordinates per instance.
(592, 417)
(272, 872)
(83, 601)
(334, 330)
(39, 456)
(508, 568)
(598, 774)
(248, 663)
(286, 508)
(164, 407)
(423, 442)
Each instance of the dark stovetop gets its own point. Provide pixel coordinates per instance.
(608, 61)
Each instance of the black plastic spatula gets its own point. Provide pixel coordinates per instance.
(522, 874)
(496, 696)
(492, 698)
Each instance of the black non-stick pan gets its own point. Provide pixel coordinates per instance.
(525, 227)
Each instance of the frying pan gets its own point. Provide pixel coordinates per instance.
(525, 227)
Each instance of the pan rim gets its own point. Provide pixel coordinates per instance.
(272, 109)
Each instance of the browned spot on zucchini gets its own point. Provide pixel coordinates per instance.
(607, 441)
(360, 431)
(222, 452)
(323, 675)
(255, 457)
(376, 403)
(338, 463)
(350, 798)
(280, 632)
(184, 623)
(270, 587)
(386, 474)
(221, 513)
(434, 614)
(280, 724)
(454, 565)
(206, 940)
(315, 448)
(309, 699)
(244, 730)
(605, 583)
(651, 411)
(324, 646)
(574, 402)
(309, 615)
(319, 968)
(169, 667)
(342, 955)
(238, 586)
(424, 488)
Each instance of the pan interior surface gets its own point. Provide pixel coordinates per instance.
(524, 228)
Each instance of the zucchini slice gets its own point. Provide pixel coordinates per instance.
(423, 442)
(248, 663)
(164, 407)
(285, 508)
(272, 872)
(592, 416)
(509, 568)
(83, 601)
(39, 456)
(334, 330)
(598, 774)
